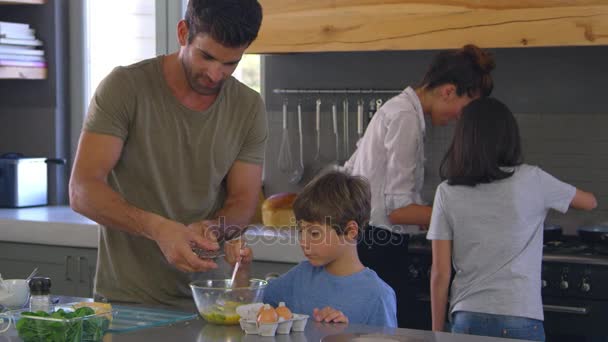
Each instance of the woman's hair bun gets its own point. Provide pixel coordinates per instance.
(483, 59)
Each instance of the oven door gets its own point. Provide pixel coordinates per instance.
(575, 319)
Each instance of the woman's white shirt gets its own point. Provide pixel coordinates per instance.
(391, 156)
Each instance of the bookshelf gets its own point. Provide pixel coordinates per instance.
(20, 72)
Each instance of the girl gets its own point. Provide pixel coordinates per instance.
(391, 156)
(487, 221)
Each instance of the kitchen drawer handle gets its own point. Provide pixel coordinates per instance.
(67, 268)
(566, 309)
(80, 269)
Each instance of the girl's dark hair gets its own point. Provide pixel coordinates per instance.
(232, 23)
(467, 68)
(335, 198)
(486, 138)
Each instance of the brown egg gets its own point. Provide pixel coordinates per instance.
(283, 311)
(267, 314)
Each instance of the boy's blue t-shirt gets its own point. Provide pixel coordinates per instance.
(363, 297)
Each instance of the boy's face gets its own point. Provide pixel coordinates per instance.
(321, 244)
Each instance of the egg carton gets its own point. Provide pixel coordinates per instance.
(284, 326)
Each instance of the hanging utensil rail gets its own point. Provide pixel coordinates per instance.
(336, 91)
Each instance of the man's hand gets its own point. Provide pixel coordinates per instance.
(176, 241)
(234, 249)
(208, 229)
(328, 314)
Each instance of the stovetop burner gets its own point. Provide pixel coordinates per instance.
(570, 249)
(570, 245)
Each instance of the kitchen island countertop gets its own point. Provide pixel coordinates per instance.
(197, 330)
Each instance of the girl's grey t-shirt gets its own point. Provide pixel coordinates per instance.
(174, 163)
(497, 239)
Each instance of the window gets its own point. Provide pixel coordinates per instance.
(248, 71)
(118, 32)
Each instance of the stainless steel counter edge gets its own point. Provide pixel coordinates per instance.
(60, 226)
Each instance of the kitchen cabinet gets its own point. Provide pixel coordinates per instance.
(371, 25)
(71, 270)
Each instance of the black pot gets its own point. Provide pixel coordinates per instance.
(595, 234)
(552, 232)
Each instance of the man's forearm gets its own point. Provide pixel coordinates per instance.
(97, 201)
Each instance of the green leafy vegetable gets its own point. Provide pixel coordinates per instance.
(32, 326)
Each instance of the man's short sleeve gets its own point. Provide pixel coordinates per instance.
(112, 105)
(254, 146)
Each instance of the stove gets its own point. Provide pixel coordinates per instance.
(574, 289)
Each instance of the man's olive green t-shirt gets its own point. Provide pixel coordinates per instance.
(173, 163)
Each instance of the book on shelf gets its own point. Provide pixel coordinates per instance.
(7, 27)
(28, 64)
(25, 42)
(6, 56)
(21, 50)
(23, 73)
(26, 34)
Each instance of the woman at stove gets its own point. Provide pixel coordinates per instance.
(487, 221)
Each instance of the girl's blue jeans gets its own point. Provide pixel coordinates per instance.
(475, 323)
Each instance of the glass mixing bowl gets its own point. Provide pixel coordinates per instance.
(216, 300)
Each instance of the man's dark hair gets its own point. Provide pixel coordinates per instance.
(335, 198)
(486, 140)
(232, 23)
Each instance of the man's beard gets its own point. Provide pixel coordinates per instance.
(193, 81)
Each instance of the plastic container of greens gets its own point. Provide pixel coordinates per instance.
(64, 323)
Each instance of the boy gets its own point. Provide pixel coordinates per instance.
(333, 285)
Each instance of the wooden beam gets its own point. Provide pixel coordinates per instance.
(365, 25)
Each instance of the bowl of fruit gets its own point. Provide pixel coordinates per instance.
(217, 300)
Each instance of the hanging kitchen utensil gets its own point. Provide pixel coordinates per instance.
(334, 117)
(318, 130)
(298, 170)
(370, 111)
(346, 129)
(360, 120)
(317, 163)
(285, 161)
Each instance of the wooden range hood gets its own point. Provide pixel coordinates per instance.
(372, 25)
